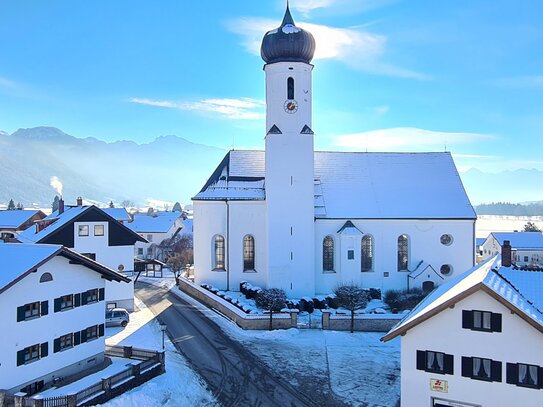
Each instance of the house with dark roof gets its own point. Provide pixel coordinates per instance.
(15, 221)
(527, 247)
(93, 233)
(304, 220)
(52, 308)
(475, 340)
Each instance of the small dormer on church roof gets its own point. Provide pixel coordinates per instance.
(287, 43)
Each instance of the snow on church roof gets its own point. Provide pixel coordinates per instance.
(357, 185)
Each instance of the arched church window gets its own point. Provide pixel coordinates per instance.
(290, 88)
(328, 254)
(45, 277)
(367, 253)
(403, 252)
(218, 249)
(248, 253)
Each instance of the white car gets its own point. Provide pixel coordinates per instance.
(117, 316)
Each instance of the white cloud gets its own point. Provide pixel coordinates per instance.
(533, 81)
(406, 139)
(237, 109)
(7, 84)
(359, 49)
(306, 6)
(337, 6)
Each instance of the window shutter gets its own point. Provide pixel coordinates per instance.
(496, 371)
(44, 308)
(467, 366)
(77, 338)
(58, 301)
(421, 360)
(101, 294)
(511, 375)
(467, 319)
(448, 364)
(77, 300)
(540, 378)
(101, 330)
(56, 345)
(84, 298)
(21, 357)
(21, 313)
(83, 336)
(496, 322)
(44, 350)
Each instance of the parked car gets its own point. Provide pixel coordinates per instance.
(117, 316)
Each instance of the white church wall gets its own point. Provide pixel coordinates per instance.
(424, 244)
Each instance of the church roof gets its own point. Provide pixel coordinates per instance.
(357, 185)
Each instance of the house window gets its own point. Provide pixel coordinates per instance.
(328, 254)
(46, 277)
(482, 369)
(65, 302)
(32, 353)
(32, 310)
(435, 362)
(149, 238)
(526, 259)
(446, 239)
(98, 230)
(218, 244)
(92, 332)
(481, 321)
(92, 295)
(525, 375)
(290, 88)
(63, 343)
(248, 253)
(140, 251)
(403, 252)
(367, 253)
(83, 230)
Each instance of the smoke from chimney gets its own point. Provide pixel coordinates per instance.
(56, 184)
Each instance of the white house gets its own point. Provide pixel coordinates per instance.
(475, 341)
(90, 231)
(52, 310)
(13, 222)
(527, 247)
(293, 218)
(157, 228)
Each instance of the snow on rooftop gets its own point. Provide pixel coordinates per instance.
(120, 214)
(18, 258)
(158, 222)
(521, 240)
(30, 235)
(12, 219)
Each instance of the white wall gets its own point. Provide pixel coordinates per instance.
(424, 244)
(444, 333)
(67, 279)
(110, 256)
(210, 219)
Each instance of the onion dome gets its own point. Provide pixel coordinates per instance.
(287, 43)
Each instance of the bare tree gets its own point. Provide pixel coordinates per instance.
(127, 203)
(531, 227)
(351, 297)
(176, 263)
(271, 299)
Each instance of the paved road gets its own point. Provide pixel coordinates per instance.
(234, 375)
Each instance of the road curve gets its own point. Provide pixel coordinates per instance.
(234, 375)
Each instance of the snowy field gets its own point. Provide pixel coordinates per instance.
(357, 368)
(492, 223)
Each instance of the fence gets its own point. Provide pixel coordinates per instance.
(152, 364)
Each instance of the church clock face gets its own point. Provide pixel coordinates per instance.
(290, 106)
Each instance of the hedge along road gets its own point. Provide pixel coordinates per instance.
(234, 375)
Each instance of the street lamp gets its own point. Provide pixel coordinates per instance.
(163, 328)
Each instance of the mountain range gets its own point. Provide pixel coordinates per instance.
(169, 168)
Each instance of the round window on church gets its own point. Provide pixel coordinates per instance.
(446, 270)
(446, 239)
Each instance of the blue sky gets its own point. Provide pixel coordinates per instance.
(390, 75)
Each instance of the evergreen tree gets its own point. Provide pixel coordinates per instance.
(177, 207)
(20, 206)
(54, 205)
(111, 204)
(11, 205)
(531, 227)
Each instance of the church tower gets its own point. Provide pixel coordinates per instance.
(287, 52)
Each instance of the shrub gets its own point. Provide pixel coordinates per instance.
(400, 300)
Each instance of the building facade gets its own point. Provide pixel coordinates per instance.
(527, 247)
(305, 221)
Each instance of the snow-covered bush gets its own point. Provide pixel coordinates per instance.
(351, 297)
(306, 304)
(272, 300)
(399, 300)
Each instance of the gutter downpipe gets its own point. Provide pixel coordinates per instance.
(227, 245)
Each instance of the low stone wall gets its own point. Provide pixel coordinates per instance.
(243, 320)
(362, 323)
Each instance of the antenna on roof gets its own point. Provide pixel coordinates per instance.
(445, 144)
(233, 140)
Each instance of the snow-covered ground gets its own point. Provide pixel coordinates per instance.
(357, 368)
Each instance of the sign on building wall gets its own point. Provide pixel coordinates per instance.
(439, 385)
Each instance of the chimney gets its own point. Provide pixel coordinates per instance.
(506, 254)
(60, 206)
(79, 201)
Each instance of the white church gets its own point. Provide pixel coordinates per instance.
(305, 221)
